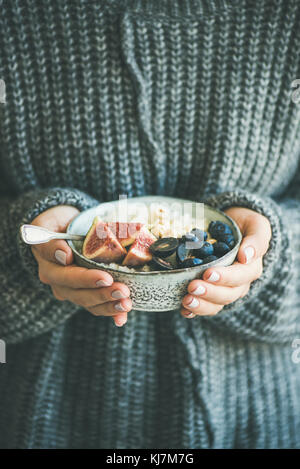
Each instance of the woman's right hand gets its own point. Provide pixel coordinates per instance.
(92, 289)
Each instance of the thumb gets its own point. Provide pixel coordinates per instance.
(57, 251)
(55, 219)
(257, 235)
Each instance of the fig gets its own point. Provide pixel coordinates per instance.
(139, 252)
(101, 245)
(126, 233)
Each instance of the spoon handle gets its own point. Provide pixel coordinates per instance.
(32, 234)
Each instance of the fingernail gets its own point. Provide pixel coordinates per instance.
(119, 322)
(119, 307)
(214, 277)
(102, 283)
(189, 315)
(117, 294)
(61, 256)
(200, 290)
(249, 253)
(193, 303)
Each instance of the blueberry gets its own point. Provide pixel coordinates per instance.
(206, 250)
(208, 259)
(182, 253)
(191, 262)
(228, 239)
(218, 229)
(220, 249)
(189, 237)
(201, 234)
(191, 241)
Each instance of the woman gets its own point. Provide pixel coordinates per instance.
(186, 98)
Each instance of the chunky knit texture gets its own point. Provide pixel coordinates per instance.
(190, 98)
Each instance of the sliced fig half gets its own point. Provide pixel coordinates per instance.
(126, 233)
(139, 253)
(101, 245)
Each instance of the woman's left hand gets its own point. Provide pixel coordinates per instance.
(221, 286)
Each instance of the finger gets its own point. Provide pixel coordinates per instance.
(55, 219)
(257, 234)
(187, 314)
(234, 275)
(57, 251)
(92, 297)
(73, 276)
(200, 307)
(217, 294)
(120, 319)
(112, 308)
(118, 309)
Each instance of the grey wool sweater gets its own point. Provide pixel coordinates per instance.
(189, 98)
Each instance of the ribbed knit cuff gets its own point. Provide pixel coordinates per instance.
(36, 202)
(173, 9)
(264, 206)
(257, 315)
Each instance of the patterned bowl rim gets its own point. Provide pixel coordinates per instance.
(163, 272)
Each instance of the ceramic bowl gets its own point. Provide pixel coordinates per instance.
(152, 291)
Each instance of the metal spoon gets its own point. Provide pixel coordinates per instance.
(32, 234)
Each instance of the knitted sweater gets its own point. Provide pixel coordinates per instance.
(188, 98)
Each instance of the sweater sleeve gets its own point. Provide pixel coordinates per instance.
(28, 307)
(270, 312)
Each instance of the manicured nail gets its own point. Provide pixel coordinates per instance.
(117, 294)
(119, 307)
(61, 256)
(102, 283)
(249, 253)
(214, 277)
(189, 315)
(193, 303)
(119, 322)
(200, 290)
